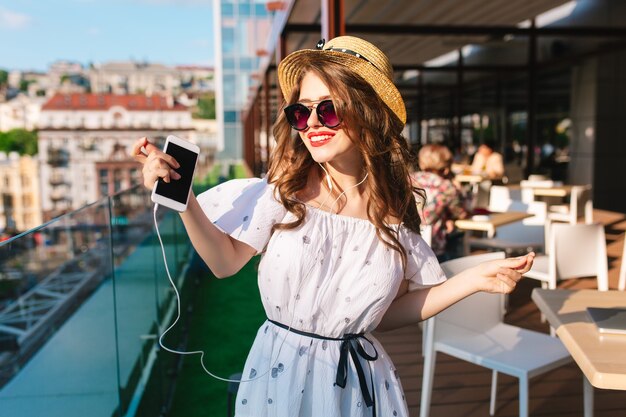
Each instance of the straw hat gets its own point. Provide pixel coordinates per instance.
(357, 54)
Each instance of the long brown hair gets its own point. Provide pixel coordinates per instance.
(377, 134)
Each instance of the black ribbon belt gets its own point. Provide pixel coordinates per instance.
(350, 345)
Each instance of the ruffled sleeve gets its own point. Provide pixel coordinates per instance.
(246, 209)
(422, 269)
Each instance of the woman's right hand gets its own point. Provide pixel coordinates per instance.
(156, 163)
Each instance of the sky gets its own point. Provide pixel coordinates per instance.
(35, 33)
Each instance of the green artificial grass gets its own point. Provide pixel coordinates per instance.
(225, 318)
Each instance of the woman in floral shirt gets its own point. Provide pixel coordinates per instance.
(444, 200)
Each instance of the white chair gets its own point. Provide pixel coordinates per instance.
(622, 272)
(580, 204)
(573, 251)
(500, 197)
(519, 237)
(529, 185)
(472, 330)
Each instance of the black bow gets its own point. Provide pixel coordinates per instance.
(320, 43)
(352, 344)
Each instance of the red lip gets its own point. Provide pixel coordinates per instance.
(317, 143)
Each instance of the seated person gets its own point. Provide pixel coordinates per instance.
(488, 162)
(444, 203)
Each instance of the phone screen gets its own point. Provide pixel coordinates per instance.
(178, 190)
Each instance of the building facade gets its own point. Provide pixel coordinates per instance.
(20, 195)
(242, 28)
(22, 112)
(85, 142)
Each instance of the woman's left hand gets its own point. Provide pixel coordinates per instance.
(502, 275)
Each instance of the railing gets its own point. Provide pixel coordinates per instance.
(82, 301)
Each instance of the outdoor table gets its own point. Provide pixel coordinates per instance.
(602, 357)
(556, 191)
(489, 223)
(469, 178)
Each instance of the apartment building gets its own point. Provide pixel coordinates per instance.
(20, 194)
(85, 142)
(22, 112)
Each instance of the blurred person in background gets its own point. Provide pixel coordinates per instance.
(445, 202)
(487, 162)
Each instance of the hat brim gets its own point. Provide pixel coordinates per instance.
(290, 68)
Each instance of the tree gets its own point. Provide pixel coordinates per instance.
(21, 141)
(206, 108)
(24, 84)
(4, 77)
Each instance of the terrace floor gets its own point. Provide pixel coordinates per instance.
(463, 389)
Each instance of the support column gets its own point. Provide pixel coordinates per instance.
(532, 101)
(420, 108)
(458, 131)
(267, 119)
(333, 19)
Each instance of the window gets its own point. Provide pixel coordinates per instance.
(230, 117)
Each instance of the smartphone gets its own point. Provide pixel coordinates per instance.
(175, 194)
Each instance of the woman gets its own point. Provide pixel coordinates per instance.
(336, 223)
(445, 203)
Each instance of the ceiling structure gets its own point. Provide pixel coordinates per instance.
(413, 32)
(501, 66)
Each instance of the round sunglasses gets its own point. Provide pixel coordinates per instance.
(298, 114)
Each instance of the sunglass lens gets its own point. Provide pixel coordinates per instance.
(327, 114)
(297, 116)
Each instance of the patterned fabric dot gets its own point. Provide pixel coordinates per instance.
(306, 239)
(356, 248)
(244, 401)
(252, 373)
(358, 404)
(324, 345)
(348, 299)
(269, 401)
(386, 385)
(274, 372)
(281, 367)
(347, 320)
(395, 413)
(245, 218)
(302, 350)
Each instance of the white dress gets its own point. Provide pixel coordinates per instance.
(329, 277)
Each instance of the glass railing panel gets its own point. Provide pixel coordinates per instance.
(83, 300)
(144, 301)
(57, 327)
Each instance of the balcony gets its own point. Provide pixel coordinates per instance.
(58, 157)
(58, 180)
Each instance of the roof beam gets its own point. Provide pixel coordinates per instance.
(456, 30)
